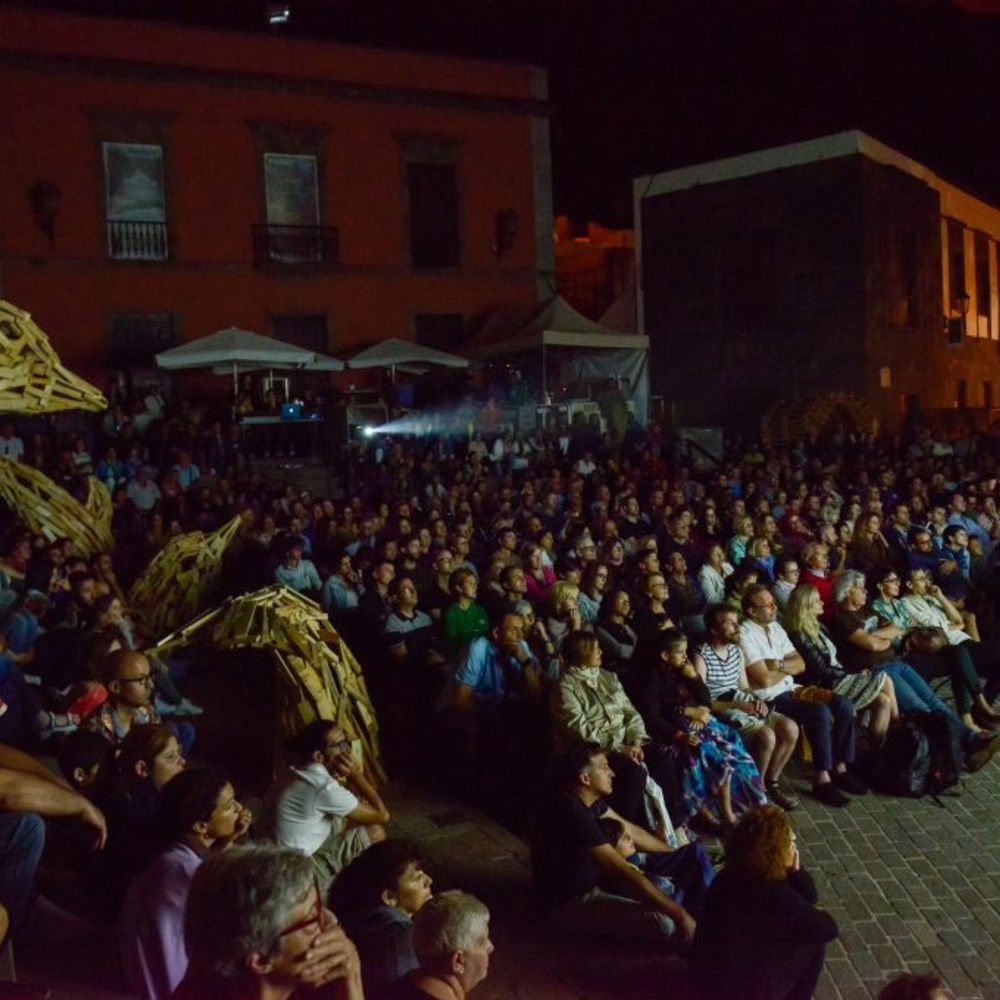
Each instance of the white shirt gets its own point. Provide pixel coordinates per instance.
(926, 612)
(306, 803)
(144, 497)
(760, 645)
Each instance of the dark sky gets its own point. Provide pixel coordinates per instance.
(645, 85)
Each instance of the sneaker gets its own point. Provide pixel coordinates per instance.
(189, 708)
(781, 798)
(850, 783)
(830, 795)
(983, 753)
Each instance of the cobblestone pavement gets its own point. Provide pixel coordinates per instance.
(914, 887)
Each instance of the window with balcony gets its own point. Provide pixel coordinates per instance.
(293, 233)
(135, 207)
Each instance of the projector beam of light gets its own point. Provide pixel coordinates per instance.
(450, 422)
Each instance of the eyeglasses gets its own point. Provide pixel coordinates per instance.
(344, 744)
(144, 679)
(317, 917)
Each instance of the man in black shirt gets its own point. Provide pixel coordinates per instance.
(588, 886)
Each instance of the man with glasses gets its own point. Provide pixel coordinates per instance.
(128, 677)
(772, 664)
(324, 805)
(255, 927)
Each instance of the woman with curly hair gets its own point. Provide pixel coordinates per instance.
(761, 935)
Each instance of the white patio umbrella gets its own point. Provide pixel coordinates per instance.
(235, 350)
(395, 353)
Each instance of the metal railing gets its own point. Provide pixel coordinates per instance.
(138, 240)
(295, 245)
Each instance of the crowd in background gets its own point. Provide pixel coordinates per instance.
(614, 650)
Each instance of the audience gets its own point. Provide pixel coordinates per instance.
(487, 577)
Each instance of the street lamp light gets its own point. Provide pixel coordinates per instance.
(278, 14)
(956, 324)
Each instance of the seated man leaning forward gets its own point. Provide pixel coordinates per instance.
(323, 804)
(588, 886)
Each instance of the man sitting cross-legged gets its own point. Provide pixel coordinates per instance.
(587, 885)
(323, 804)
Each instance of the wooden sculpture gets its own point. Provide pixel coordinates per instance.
(48, 510)
(318, 676)
(32, 378)
(181, 578)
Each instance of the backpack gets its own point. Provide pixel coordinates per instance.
(921, 756)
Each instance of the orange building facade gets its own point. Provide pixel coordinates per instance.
(158, 183)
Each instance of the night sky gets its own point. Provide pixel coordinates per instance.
(645, 85)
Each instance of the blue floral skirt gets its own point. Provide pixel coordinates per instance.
(720, 754)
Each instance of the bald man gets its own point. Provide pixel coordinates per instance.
(128, 677)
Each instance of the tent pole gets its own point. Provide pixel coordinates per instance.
(545, 385)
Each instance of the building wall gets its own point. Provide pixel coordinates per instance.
(907, 313)
(752, 290)
(215, 98)
(800, 279)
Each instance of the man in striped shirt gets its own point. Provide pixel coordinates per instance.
(769, 736)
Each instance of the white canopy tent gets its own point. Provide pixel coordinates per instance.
(596, 350)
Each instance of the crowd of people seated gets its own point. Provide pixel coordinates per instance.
(615, 653)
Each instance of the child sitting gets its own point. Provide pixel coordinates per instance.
(621, 840)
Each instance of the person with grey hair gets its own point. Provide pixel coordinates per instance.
(451, 938)
(255, 928)
(862, 645)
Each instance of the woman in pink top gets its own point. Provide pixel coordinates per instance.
(538, 578)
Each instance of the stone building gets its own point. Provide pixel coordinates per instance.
(836, 264)
(161, 182)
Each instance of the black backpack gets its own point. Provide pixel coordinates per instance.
(922, 755)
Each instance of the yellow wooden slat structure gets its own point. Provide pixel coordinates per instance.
(48, 510)
(32, 378)
(318, 675)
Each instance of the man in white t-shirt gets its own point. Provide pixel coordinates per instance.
(323, 805)
(11, 446)
(143, 491)
(772, 663)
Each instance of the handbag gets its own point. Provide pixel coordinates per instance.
(927, 640)
(811, 692)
